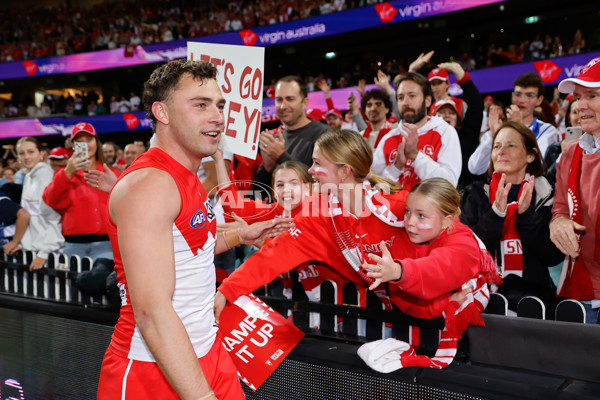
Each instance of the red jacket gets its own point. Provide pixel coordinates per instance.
(431, 272)
(435, 271)
(313, 239)
(82, 207)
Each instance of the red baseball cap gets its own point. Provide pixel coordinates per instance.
(316, 115)
(488, 97)
(335, 112)
(588, 77)
(444, 102)
(83, 127)
(59, 153)
(438, 73)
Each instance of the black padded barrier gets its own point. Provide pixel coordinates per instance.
(52, 343)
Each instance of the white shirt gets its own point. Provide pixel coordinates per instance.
(479, 162)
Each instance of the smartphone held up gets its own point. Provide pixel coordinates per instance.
(82, 149)
(573, 133)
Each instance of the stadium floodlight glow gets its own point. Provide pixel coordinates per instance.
(330, 55)
(532, 20)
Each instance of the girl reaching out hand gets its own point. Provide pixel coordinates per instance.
(446, 253)
(446, 276)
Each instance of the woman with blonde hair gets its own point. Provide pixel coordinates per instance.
(350, 212)
(446, 275)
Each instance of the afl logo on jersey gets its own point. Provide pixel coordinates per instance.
(198, 220)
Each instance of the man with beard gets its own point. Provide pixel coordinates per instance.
(110, 153)
(421, 147)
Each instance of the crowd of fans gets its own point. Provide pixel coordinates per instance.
(449, 168)
(59, 30)
(429, 201)
(492, 56)
(91, 103)
(457, 140)
(84, 103)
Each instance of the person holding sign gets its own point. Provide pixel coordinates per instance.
(296, 141)
(164, 345)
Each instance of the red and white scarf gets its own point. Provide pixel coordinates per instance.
(346, 239)
(511, 248)
(388, 355)
(574, 278)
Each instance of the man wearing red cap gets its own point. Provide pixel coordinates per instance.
(468, 126)
(58, 157)
(575, 227)
(79, 202)
(334, 119)
(440, 83)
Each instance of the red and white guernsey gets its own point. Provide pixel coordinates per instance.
(439, 155)
(194, 240)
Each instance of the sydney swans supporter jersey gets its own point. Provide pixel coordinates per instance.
(194, 240)
(439, 155)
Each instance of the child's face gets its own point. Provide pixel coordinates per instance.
(288, 189)
(423, 221)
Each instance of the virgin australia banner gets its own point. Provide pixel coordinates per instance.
(308, 28)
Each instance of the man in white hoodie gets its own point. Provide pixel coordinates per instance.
(421, 147)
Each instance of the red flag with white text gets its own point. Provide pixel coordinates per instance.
(257, 338)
